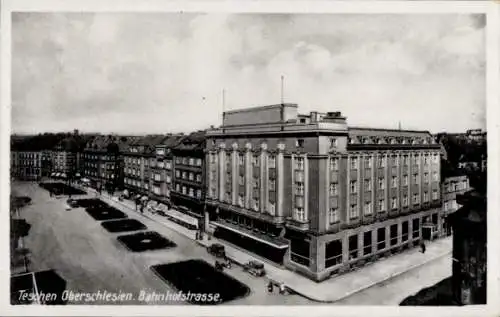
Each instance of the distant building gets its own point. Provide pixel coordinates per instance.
(188, 190)
(316, 195)
(469, 249)
(476, 134)
(103, 164)
(451, 187)
(139, 161)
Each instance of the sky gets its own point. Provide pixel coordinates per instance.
(135, 73)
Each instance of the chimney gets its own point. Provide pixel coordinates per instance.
(314, 116)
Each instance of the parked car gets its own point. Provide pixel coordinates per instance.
(217, 250)
(72, 203)
(255, 268)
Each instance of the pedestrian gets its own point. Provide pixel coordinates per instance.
(270, 287)
(422, 247)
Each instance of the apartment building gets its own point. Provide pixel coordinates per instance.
(316, 195)
(139, 161)
(102, 162)
(188, 190)
(163, 169)
(451, 187)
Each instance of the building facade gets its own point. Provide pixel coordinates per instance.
(26, 164)
(470, 249)
(319, 197)
(103, 164)
(451, 187)
(188, 191)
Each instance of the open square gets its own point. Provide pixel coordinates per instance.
(145, 241)
(62, 189)
(123, 225)
(105, 213)
(197, 276)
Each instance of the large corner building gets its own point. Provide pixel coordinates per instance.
(315, 195)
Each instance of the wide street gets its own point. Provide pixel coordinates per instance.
(91, 259)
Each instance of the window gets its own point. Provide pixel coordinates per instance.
(394, 182)
(435, 177)
(367, 243)
(434, 194)
(198, 177)
(333, 142)
(416, 161)
(393, 232)
(299, 142)
(354, 163)
(334, 164)
(191, 161)
(353, 247)
(198, 162)
(405, 201)
(299, 214)
(415, 178)
(368, 184)
(394, 203)
(380, 238)
(272, 208)
(381, 162)
(191, 192)
(394, 160)
(168, 179)
(299, 163)
(353, 186)
(426, 177)
(177, 173)
(299, 251)
(272, 185)
(241, 180)
(426, 197)
(241, 200)
(416, 228)
(405, 180)
(184, 190)
(353, 211)
(255, 203)
(241, 159)
(255, 160)
(381, 183)
(426, 159)
(333, 189)
(299, 188)
(368, 208)
(381, 205)
(416, 199)
(368, 162)
(404, 227)
(184, 175)
(333, 253)
(271, 160)
(255, 182)
(333, 215)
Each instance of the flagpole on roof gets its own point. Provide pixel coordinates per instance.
(282, 89)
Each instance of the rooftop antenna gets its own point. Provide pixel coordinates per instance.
(399, 125)
(282, 89)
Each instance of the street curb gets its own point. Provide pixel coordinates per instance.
(371, 284)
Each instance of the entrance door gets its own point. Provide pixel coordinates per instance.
(427, 233)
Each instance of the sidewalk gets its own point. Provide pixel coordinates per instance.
(333, 289)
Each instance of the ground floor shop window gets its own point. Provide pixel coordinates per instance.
(404, 236)
(333, 253)
(353, 247)
(394, 234)
(367, 243)
(299, 251)
(381, 239)
(416, 228)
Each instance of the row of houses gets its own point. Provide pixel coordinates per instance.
(304, 190)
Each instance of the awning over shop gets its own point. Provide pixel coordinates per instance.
(152, 204)
(85, 180)
(161, 207)
(77, 175)
(243, 232)
(63, 175)
(58, 175)
(182, 217)
(53, 174)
